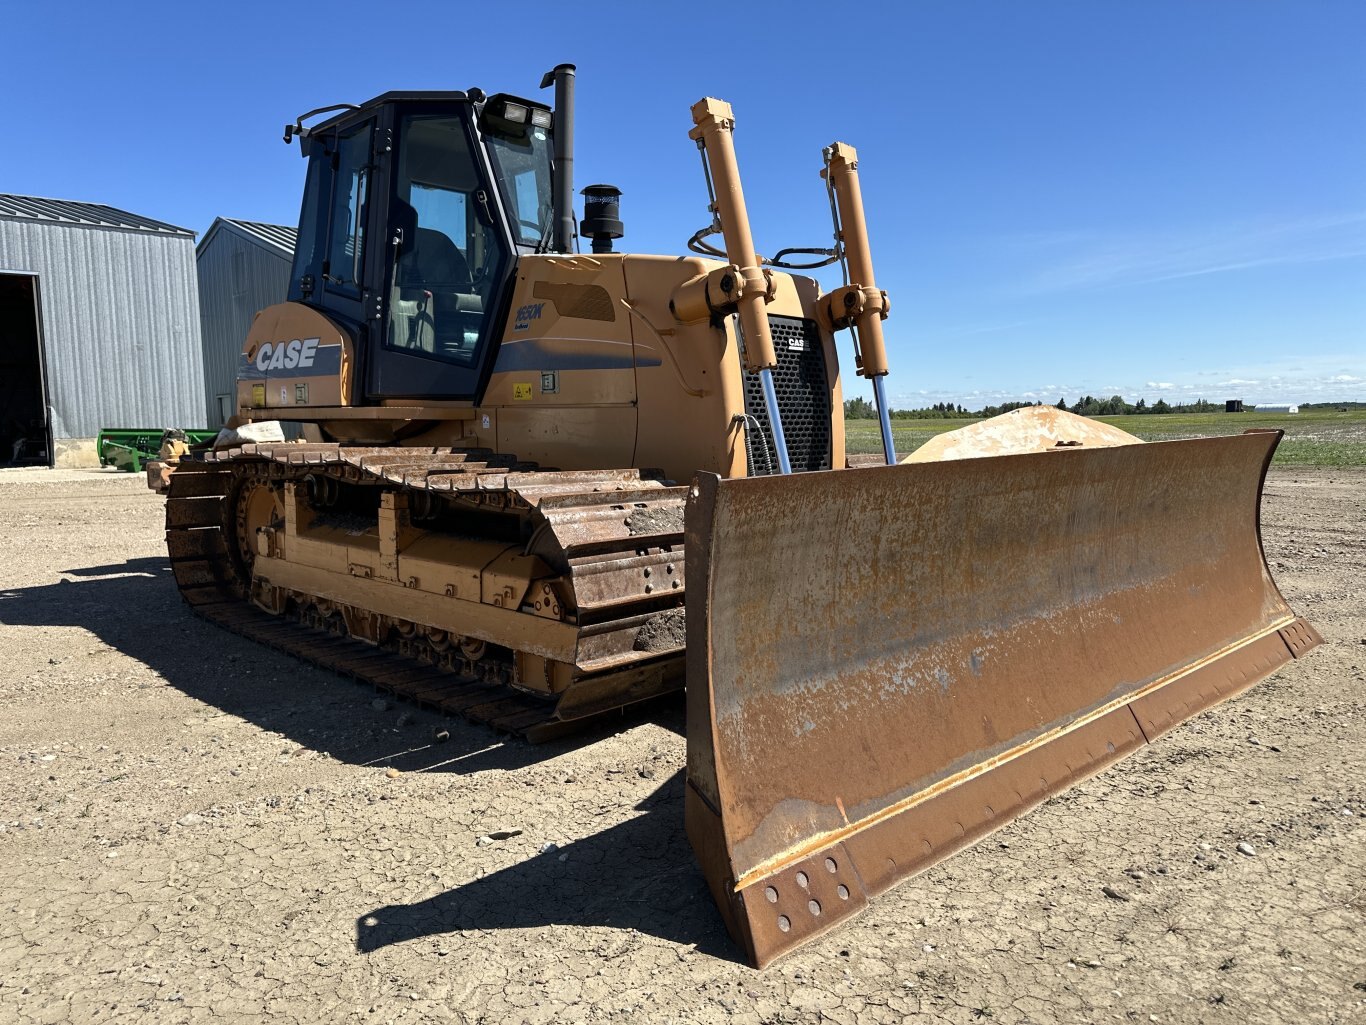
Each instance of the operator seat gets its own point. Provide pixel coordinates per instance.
(431, 276)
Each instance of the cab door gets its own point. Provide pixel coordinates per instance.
(446, 262)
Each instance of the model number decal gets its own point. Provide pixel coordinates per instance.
(287, 355)
(526, 314)
(521, 392)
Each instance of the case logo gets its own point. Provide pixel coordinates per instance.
(287, 355)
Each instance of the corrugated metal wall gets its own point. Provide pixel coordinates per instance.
(120, 324)
(237, 279)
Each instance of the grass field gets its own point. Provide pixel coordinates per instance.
(1312, 438)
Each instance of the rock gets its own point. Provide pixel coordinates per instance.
(549, 848)
(440, 736)
(497, 834)
(253, 433)
(404, 719)
(380, 705)
(392, 773)
(1247, 848)
(192, 819)
(646, 772)
(1114, 894)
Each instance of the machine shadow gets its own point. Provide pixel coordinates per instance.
(134, 608)
(635, 876)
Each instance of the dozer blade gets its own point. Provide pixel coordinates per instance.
(887, 664)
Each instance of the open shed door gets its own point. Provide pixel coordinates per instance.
(25, 415)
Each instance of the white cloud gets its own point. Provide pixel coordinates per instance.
(1098, 261)
(1160, 384)
(1344, 378)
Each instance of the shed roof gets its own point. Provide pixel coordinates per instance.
(90, 215)
(277, 237)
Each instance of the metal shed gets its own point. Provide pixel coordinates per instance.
(243, 267)
(99, 327)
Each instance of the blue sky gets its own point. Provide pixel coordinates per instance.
(1152, 199)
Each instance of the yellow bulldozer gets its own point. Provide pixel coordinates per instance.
(537, 485)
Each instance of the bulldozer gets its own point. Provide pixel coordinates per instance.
(537, 485)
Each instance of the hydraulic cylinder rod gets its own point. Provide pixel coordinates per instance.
(884, 420)
(713, 125)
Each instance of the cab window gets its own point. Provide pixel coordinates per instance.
(330, 250)
(448, 261)
(521, 165)
(350, 181)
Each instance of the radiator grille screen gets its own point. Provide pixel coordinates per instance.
(803, 401)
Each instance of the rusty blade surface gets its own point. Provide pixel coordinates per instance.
(886, 664)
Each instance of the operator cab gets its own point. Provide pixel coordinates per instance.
(416, 206)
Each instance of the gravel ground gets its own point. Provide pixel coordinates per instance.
(195, 828)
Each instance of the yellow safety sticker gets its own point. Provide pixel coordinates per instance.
(521, 391)
(258, 395)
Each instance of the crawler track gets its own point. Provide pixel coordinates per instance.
(615, 536)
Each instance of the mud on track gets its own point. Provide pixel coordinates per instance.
(197, 829)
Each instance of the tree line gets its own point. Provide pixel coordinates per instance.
(1088, 405)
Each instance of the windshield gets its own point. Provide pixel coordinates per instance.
(521, 164)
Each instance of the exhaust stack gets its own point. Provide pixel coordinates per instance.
(562, 77)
